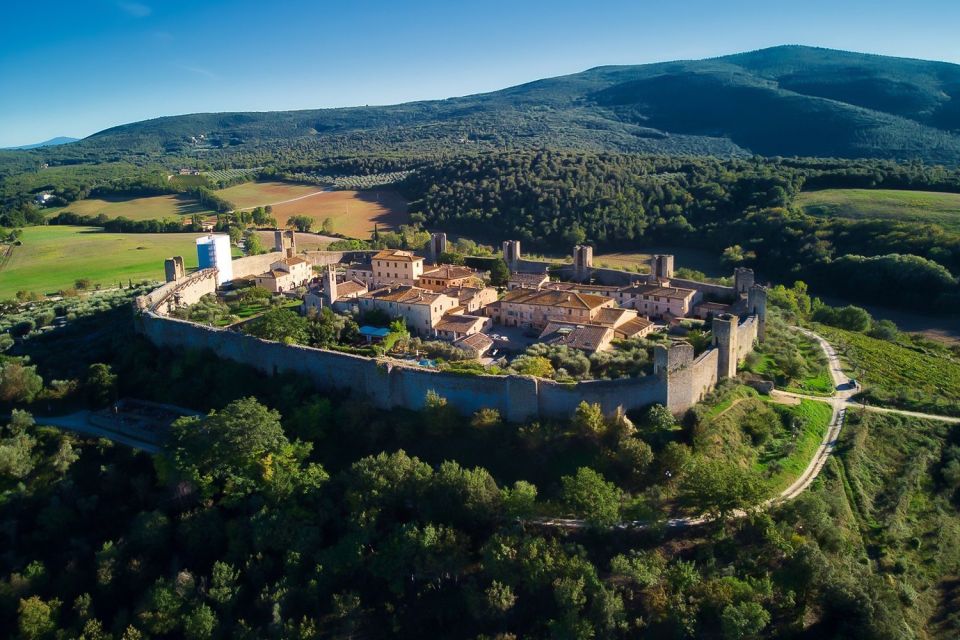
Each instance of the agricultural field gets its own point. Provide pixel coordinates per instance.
(917, 206)
(354, 213)
(149, 208)
(258, 194)
(54, 257)
(911, 372)
(219, 175)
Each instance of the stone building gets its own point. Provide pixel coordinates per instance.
(527, 281)
(285, 275)
(445, 276)
(396, 267)
(534, 309)
(422, 310)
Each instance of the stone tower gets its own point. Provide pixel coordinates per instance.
(725, 341)
(285, 241)
(330, 286)
(438, 245)
(757, 305)
(511, 253)
(669, 359)
(742, 280)
(582, 261)
(173, 268)
(661, 267)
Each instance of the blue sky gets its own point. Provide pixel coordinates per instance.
(76, 67)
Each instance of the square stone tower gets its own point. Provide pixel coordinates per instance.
(582, 261)
(511, 253)
(173, 268)
(661, 267)
(725, 340)
(438, 245)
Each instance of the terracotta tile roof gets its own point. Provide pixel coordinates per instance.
(458, 323)
(294, 260)
(614, 316)
(528, 278)
(676, 293)
(405, 295)
(449, 272)
(478, 342)
(588, 337)
(397, 255)
(349, 288)
(633, 327)
(553, 298)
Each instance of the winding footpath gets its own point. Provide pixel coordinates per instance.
(844, 390)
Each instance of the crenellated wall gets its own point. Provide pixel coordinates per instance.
(679, 381)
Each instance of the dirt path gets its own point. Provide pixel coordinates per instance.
(273, 204)
(840, 401)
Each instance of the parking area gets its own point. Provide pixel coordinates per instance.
(511, 340)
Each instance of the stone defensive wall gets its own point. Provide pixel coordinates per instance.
(388, 384)
(679, 380)
(746, 335)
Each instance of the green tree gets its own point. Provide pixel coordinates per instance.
(575, 234)
(499, 273)
(716, 488)
(853, 318)
(100, 385)
(449, 257)
(19, 382)
(519, 501)
(533, 366)
(224, 584)
(589, 494)
(236, 451)
(37, 619)
(200, 623)
(327, 226)
(300, 223)
(588, 420)
(282, 325)
(252, 244)
(743, 621)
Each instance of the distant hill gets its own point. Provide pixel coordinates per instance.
(52, 142)
(788, 100)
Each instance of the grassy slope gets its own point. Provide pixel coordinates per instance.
(784, 454)
(52, 258)
(910, 373)
(149, 208)
(918, 206)
(892, 519)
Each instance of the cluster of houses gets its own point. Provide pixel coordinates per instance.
(454, 303)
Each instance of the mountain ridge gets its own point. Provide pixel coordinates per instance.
(787, 100)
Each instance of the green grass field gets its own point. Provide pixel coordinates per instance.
(917, 206)
(53, 258)
(150, 208)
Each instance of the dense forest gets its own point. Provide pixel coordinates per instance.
(552, 200)
(293, 515)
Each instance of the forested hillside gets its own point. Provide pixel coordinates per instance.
(785, 101)
(553, 200)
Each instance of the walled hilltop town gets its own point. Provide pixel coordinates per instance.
(573, 305)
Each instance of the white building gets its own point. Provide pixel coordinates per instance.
(214, 251)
